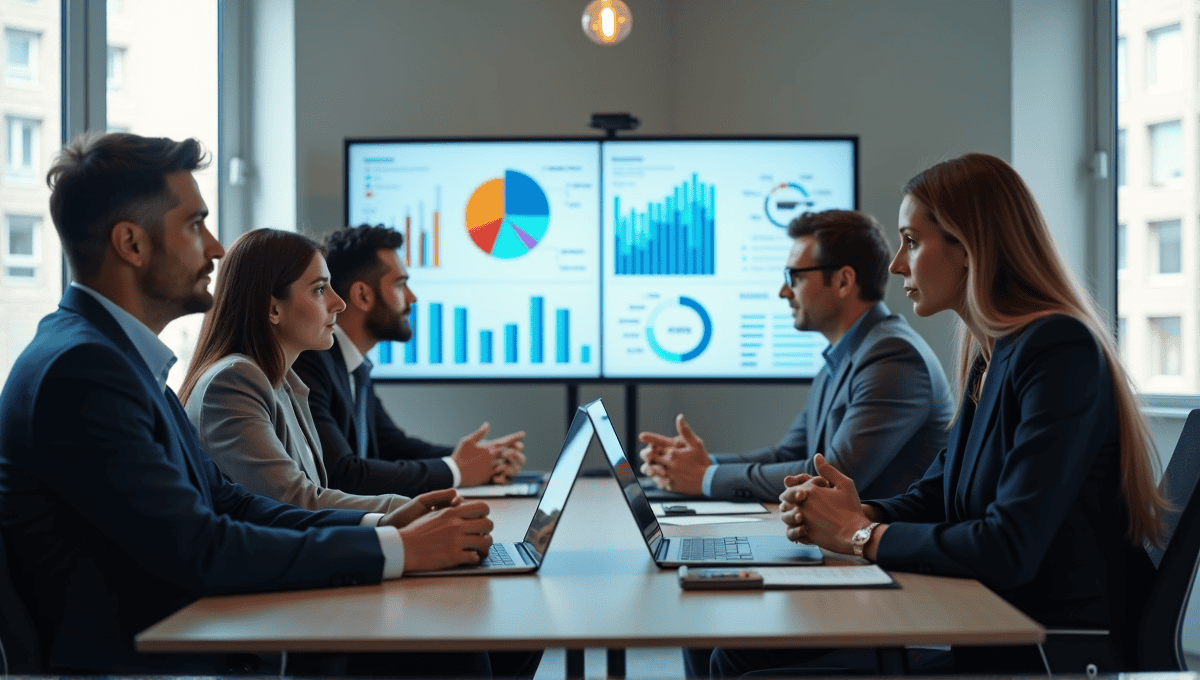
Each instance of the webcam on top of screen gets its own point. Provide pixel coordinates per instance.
(611, 122)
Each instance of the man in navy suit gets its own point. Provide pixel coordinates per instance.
(365, 452)
(113, 515)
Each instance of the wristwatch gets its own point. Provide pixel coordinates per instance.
(860, 538)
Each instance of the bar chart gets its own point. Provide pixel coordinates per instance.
(429, 325)
(675, 236)
(425, 250)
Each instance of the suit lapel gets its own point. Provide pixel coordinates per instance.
(80, 302)
(341, 376)
(832, 387)
(986, 412)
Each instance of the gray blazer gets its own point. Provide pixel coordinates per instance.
(264, 438)
(883, 419)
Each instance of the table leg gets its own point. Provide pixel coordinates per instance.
(891, 660)
(575, 664)
(616, 663)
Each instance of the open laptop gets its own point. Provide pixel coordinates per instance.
(675, 552)
(527, 555)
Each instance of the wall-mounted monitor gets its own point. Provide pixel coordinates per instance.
(576, 259)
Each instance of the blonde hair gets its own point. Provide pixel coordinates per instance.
(1017, 276)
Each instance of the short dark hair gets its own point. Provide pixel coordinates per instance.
(848, 238)
(98, 180)
(352, 255)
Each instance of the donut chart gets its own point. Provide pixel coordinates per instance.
(508, 216)
(679, 330)
(786, 202)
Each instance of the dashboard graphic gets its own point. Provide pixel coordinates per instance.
(508, 216)
(621, 258)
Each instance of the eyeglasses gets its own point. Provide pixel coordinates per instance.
(789, 273)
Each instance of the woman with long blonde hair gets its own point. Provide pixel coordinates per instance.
(1046, 491)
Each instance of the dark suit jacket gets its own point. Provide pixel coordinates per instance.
(1026, 498)
(395, 462)
(115, 517)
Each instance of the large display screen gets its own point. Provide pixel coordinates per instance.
(577, 259)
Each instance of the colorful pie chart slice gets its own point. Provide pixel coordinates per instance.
(507, 217)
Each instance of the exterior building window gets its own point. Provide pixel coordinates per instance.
(116, 68)
(1122, 245)
(1168, 238)
(21, 57)
(1166, 152)
(1121, 163)
(21, 249)
(22, 145)
(1166, 345)
(1164, 57)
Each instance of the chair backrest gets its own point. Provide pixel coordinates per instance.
(1159, 640)
(17, 632)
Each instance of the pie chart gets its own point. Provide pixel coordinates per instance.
(508, 216)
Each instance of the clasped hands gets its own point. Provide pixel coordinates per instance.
(439, 530)
(489, 461)
(824, 510)
(675, 463)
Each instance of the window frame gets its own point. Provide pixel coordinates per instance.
(12, 76)
(32, 261)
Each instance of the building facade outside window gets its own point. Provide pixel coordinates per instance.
(116, 67)
(1157, 62)
(22, 143)
(22, 236)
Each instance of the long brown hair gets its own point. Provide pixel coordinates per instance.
(260, 265)
(1017, 276)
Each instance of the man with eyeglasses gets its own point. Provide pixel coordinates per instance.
(878, 409)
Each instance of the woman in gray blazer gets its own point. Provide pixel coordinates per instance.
(272, 301)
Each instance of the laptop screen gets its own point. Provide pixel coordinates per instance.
(558, 486)
(631, 488)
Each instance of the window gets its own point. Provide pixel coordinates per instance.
(21, 248)
(1122, 263)
(22, 145)
(1122, 70)
(1167, 237)
(1166, 345)
(21, 57)
(116, 68)
(1166, 152)
(1164, 57)
(1120, 158)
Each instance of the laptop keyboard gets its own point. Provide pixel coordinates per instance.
(498, 557)
(728, 548)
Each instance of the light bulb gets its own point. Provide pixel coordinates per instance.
(607, 22)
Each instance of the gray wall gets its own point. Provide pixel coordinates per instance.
(919, 81)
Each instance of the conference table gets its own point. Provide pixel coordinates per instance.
(597, 587)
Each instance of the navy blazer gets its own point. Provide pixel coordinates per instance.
(395, 462)
(115, 517)
(1026, 498)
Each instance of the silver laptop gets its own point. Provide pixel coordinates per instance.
(527, 555)
(675, 552)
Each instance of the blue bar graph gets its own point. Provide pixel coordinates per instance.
(674, 236)
(435, 333)
(460, 335)
(537, 332)
(562, 336)
(510, 343)
(585, 354)
(485, 347)
(410, 347)
(385, 353)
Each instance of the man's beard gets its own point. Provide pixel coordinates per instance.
(160, 285)
(385, 324)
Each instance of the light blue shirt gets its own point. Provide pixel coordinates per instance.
(159, 359)
(834, 354)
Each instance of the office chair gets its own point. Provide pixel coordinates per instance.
(1161, 630)
(17, 633)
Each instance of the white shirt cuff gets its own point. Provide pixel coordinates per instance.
(453, 470)
(393, 551)
(371, 519)
(706, 483)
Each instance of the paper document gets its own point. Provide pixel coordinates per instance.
(671, 509)
(853, 576)
(496, 490)
(693, 520)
